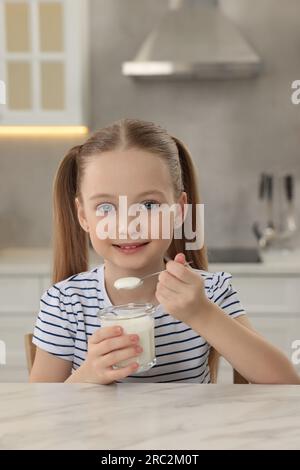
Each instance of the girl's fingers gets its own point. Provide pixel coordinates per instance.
(164, 287)
(167, 290)
(104, 333)
(180, 258)
(115, 343)
(171, 282)
(164, 294)
(184, 273)
(119, 355)
(119, 374)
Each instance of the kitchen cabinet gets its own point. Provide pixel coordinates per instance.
(20, 295)
(269, 295)
(44, 62)
(273, 308)
(271, 303)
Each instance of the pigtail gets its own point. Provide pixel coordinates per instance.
(190, 186)
(198, 257)
(70, 241)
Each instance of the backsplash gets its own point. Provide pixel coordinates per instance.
(234, 129)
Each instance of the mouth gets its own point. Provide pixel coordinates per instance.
(130, 247)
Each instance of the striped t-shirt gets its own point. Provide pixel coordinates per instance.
(68, 317)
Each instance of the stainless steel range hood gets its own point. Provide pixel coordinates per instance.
(194, 40)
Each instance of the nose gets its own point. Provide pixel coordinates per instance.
(132, 225)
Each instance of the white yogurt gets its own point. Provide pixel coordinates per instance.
(127, 282)
(143, 326)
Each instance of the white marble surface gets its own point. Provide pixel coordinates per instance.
(149, 416)
(32, 261)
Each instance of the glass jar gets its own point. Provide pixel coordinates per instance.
(134, 318)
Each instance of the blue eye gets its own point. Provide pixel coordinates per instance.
(150, 205)
(104, 208)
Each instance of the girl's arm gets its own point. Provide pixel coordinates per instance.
(181, 292)
(49, 368)
(247, 351)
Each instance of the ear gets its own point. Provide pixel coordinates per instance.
(183, 210)
(81, 215)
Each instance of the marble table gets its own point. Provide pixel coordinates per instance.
(149, 416)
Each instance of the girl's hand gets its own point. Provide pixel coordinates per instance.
(181, 291)
(106, 347)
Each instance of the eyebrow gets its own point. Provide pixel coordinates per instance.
(112, 196)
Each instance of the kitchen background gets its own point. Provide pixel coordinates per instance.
(236, 129)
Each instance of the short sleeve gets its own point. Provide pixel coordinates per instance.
(56, 324)
(224, 295)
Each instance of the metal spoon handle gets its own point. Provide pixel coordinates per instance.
(158, 272)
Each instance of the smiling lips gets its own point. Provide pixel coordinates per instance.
(130, 247)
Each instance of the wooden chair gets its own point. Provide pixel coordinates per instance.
(30, 349)
(238, 378)
(213, 364)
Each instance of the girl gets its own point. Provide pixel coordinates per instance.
(198, 314)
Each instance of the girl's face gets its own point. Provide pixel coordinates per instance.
(144, 178)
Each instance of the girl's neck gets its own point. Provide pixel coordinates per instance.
(144, 293)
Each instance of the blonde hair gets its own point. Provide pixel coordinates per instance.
(70, 241)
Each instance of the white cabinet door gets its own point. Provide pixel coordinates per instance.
(44, 62)
(268, 294)
(19, 294)
(13, 327)
(282, 331)
(19, 307)
(272, 305)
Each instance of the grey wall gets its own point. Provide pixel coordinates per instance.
(234, 129)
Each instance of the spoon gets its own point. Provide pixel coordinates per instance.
(133, 282)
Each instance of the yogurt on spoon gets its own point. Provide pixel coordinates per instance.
(133, 282)
(127, 282)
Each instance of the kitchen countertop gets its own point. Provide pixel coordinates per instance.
(149, 416)
(38, 261)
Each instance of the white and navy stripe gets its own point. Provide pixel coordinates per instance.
(68, 316)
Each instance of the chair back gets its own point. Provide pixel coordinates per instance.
(30, 350)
